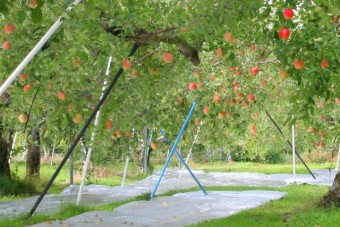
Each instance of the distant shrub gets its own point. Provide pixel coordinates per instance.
(13, 186)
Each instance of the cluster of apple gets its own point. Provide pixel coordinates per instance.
(8, 29)
(320, 134)
(284, 34)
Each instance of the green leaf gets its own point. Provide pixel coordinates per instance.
(3, 7)
(36, 15)
(20, 17)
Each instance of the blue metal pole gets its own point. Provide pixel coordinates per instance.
(185, 164)
(191, 173)
(173, 149)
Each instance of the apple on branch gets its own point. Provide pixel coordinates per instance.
(9, 28)
(254, 71)
(27, 88)
(219, 52)
(192, 86)
(288, 13)
(126, 64)
(206, 110)
(251, 98)
(299, 64)
(324, 63)
(284, 33)
(6, 45)
(61, 95)
(168, 57)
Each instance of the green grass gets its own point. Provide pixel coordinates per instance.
(259, 167)
(297, 208)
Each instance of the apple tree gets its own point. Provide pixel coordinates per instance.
(236, 58)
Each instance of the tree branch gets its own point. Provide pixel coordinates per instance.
(142, 38)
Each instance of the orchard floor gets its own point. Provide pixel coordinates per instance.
(177, 210)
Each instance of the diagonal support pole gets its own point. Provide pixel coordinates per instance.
(35, 50)
(173, 149)
(89, 152)
(297, 154)
(81, 133)
(191, 173)
(185, 163)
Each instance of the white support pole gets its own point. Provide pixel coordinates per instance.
(337, 161)
(191, 148)
(45, 152)
(13, 145)
(293, 149)
(53, 149)
(127, 160)
(34, 51)
(96, 121)
(125, 169)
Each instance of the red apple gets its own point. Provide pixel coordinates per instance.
(219, 52)
(337, 100)
(128, 134)
(320, 144)
(192, 86)
(284, 33)
(320, 133)
(206, 110)
(251, 98)
(32, 4)
(263, 82)
(6, 45)
(118, 133)
(23, 76)
(299, 64)
(228, 36)
(254, 71)
(253, 47)
(168, 57)
(234, 68)
(27, 88)
(9, 28)
(61, 95)
(126, 64)
(324, 63)
(236, 88)
(108, 124)
(288, 13)
(217, 98)
(221, 114)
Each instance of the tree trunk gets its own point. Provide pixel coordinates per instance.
(33, 154)
(333, 195)
(4, 143)
(4, 155)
